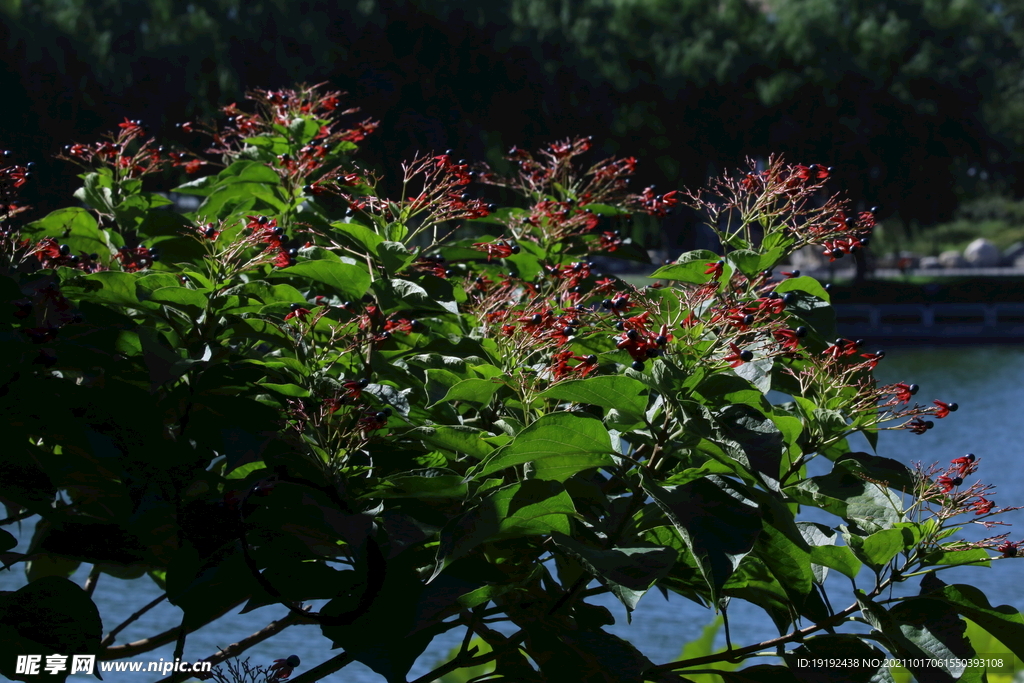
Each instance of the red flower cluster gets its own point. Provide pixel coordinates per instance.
(561, 369)
(267, 231)
(658, 205)
(139, 258)
(499, 249)
(638, 341)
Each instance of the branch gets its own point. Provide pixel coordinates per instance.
(736, 655)
(120, 627)
(90, 581)
(146, 644)
(324, 669)
(235, 649)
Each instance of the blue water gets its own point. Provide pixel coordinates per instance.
(985, 381)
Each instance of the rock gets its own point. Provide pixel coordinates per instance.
(930, 263)
(952, 259)
(982, 254)
(1012, 253)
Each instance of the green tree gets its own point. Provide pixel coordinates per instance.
(434, 414)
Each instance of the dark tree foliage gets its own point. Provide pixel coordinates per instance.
(901, 97)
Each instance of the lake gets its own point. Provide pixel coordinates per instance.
(985, 381)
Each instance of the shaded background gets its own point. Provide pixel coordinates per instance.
(918, 104)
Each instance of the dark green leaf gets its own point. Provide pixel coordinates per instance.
(717, 522)
(47, 616)
(628, 572)
(349, 280)
(1004, 622)
(557, 445)
(625, 394)
(532, 508)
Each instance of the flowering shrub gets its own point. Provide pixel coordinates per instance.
(262, 403)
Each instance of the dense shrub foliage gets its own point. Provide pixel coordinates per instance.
(437, 414)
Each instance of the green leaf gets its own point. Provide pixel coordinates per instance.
(293, 390)
(7, 541)
(396, 294)
(184, 299)
(205, 587)
(689, 267)
(877, 549)
(812, 309)
(532, 508)
(628, 572)
(472, 390)
(1004, 622)
(97, 191)
(273, 146)
(625, 394)
(47, 616)
(838, 557)
(350, 280)
(718, 523)
(747, 261)
(303, 130)
(395, 256)
(422, 487)
(703, 646)
(803, 284)
(360, 236)
(455, 438)
(921, 629)
(838, 647)
(846, 495)
(585, 656)
(952, 558)
(557, 445)
(75, 227)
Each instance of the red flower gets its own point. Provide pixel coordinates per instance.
(737, 357)
(789, 339)
(812, 172)
(610, 240)
(919, 426)
(982, 506)
(282, 668)
(904, 392)
(375, 419)
(965, 465)
(131, 128)
(499, 249)
(1009, 548)
(297, 312)
(948, 484)
(842, 348)
(715, 269)
(944, 408)
(774, 305)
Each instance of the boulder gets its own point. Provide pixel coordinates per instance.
(930, 263)
(952, 259)
(982, 254)
(1012, 253)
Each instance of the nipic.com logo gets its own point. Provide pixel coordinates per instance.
(34, 665)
